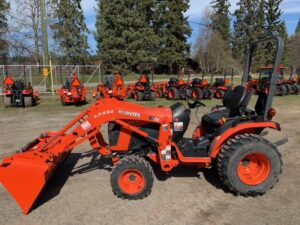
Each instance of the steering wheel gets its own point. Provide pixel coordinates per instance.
(193, 102)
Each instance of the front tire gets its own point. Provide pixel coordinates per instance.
(249, 165)
(132, 178)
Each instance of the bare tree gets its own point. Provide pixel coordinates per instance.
(24, 33)
(211, 50)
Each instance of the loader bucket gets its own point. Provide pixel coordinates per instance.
(24, 177)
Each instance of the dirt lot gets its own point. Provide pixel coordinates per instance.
(80, 192)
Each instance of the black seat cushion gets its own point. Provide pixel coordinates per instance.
(235, 101)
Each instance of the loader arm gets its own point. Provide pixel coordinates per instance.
(24, 174)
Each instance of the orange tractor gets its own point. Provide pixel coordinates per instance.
(283, 86)
(114, 87)
(230, 138)
(17, 93)
(143, 89)
(73, 92)
(201, 89)
(177, 89)
(221, 84)
(161, 88)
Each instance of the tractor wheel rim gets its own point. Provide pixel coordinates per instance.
(254, 169)
(195, 94)
(132, 182)
(171, 94)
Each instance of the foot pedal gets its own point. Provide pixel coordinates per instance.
(194, 148)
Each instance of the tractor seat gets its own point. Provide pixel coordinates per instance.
(235, 102)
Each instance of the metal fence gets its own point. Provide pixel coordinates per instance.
(90, 75)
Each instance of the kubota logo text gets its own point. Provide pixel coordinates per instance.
(127, 113)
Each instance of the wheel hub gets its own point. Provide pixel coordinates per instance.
(132, 181)
(254, 169)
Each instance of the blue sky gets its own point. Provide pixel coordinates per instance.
(290, 8)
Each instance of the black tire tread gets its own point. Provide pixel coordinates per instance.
(229, 148)
(127, 161)
(7, 101)
(28, 101)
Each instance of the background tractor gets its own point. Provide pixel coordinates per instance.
(201, 89)
(144, 90)
(220, 85)
(73, 91)
(114, 87)
(18, 93)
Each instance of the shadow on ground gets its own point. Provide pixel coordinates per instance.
(95, 162)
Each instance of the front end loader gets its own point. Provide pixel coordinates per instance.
(230, 137)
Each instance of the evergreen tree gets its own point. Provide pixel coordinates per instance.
(275, 26)
(260, 20)
(4, 7)
(221, 19)
(173, 30)
(70, 31)
(284, 35)
(244, 27)
(273, 13)
(124, 31)
(298, 27)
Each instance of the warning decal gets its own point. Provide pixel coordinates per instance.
(178, 126)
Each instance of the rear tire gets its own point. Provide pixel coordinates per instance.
(173, 93)
(28, 101)
(281, 90)
(153, 95)
(7, 101)
(159, 93)
(288, 89)
(139, 96)
(210, 93)
(295, 89)
(219, 94)
(249, 165)
(197, 93)
(132, 178)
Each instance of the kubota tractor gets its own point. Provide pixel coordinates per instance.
(282, 86)
(160, 88)
(17, 93)
(220, 85)
(177, 89)
(73, 91)
(230, 138)
(114, 87)
(201, 89)
(143, 89)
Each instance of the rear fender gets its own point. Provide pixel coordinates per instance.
(242, 128)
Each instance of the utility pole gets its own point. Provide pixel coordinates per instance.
(45, 39)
